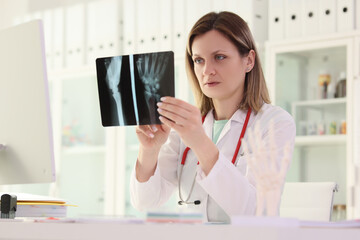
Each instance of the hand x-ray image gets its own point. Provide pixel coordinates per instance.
(130, 86)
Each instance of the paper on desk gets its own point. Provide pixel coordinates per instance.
(26, 197)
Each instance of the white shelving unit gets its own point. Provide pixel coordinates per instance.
(293, 67)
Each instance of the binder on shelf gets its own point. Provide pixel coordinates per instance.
(74, 35)
(48, 29)
(219, 6)
(165, 33)
(327, 14)
(195, 10)
(179, 38)
(293, 18)
(276, 20)
(103, 30)
(357, 13)
(310, 17)
(147, 26)
(129, 26)
(230, 5)
(58, 38)
(345, 15)
(192, 14)
(255, 13)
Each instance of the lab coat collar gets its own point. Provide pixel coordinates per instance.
(238, 117)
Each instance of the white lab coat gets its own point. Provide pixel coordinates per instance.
(229, 189)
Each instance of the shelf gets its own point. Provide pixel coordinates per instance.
(84, 150)
(320, 140)
(320, 102)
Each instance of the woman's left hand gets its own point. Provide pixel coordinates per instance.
(184, 118)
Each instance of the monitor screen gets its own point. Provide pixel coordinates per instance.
(26, 142)
(131, 85)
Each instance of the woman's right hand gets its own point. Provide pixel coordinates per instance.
(152, 136)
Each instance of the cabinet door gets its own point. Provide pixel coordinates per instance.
(81, 159)
(311, 80)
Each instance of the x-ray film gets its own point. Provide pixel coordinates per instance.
(130, 86)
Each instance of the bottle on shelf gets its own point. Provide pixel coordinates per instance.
(332, 127)
(324, 80)
(343, 127)
(331, 90)
(340, 90)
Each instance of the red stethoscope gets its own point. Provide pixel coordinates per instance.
(197, 202)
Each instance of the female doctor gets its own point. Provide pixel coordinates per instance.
(198, 149)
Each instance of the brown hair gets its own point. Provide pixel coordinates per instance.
(237, 31)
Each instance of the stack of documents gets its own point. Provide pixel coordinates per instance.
(29, 205)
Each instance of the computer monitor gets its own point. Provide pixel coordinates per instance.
(26, 142)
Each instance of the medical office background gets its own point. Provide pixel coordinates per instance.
(310, 50)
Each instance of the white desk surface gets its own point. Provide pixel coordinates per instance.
(89, 231)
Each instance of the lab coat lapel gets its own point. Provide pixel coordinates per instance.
(208, 123)
(239, 117)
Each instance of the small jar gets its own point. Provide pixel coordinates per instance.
(302, 128)
(312, 128)
(321, 128)
(343, 127)
(332, 127)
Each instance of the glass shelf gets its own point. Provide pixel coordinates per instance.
(320, 102)
(320, 140)
(84, 149)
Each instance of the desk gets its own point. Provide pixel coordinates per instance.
(90, 231)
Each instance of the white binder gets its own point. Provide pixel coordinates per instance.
(229, 5)
(74, 35)
(48, 30)
(293, 18)
(165, 33)
(327, 12)
(345, 15)
(58, 40)
(103, 30)
(276, 19)
(255, 13)
(147, 25)
(357, 13)
(129, 27)
(179, 36)
(310, 17)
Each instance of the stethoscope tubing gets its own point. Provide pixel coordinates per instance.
(181, 202)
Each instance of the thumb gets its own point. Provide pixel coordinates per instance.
(165, 127)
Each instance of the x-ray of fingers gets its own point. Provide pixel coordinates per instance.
(129, 87)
